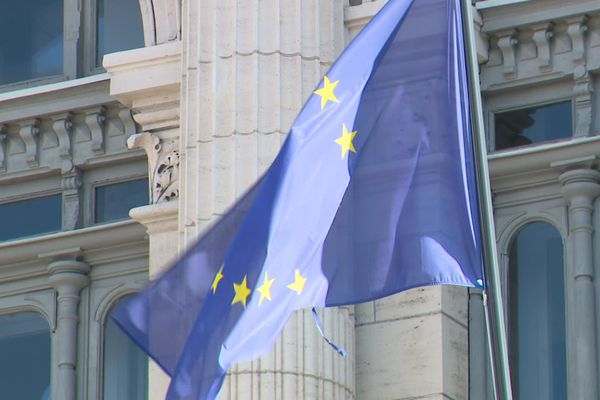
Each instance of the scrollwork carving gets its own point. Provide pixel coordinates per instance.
(542, 36)
(507, 42)
(163, 164)
(165, 184)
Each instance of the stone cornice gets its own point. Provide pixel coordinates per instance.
(541, 158)
(157, 218)
(148, 80)
(94, 245)
(534, 12)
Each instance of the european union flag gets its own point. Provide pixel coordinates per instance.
(373, 193)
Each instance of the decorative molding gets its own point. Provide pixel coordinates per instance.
(3, 148)
(29, 133)
(62, 127)
(95, 120)
(542, 36)
(165, 184)
(126, 123)
(71, 182)
(582, 92)
(507, 43)
(576, 29)
(148, 81)
(561, 49)
(163, 165)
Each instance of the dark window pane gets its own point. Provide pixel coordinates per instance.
(113, 202)
(119, 27)
(533, 125)
(25, 356)
(537, 314)
(32, 39)
(125, 366)
(30, 217)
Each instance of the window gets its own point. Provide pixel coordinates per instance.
(536, 297)
(119, 27)
(25, 360)
(30, 217)
(125, 366)
(533, 125)
(38, 51)
(113, 202)
(54, 40)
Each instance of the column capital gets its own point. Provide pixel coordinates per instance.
(71, 273)
(580, 184)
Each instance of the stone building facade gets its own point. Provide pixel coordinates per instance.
(196, 110)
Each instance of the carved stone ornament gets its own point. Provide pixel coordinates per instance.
(163, 164)
(2, 148)
(165, 185)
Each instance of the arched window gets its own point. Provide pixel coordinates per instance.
(125, 366)
(536, 298)
(24, 356)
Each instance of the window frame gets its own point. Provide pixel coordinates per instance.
(505, 273)
(79, 46)
(41, 302)
(107, 176)
(98, 185)
(497, 102)
(528, 107)
(105, 308)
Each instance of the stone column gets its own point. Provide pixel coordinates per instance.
(247, 69)
(148, 80)
(160, 221)
(580, 188)
(67, 277)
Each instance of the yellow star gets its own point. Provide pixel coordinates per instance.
(326, 92)
(241, 292)
(298, 284)
(346, 141)
(265, 289)
(216, 281)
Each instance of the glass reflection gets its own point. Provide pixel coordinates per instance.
(537, 314)
(533, 125)
(113, 202)
(125, 366)
(30, 217)
(24, 357)
(119, 27)
(32, 44)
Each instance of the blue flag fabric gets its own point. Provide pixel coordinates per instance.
(372, 193)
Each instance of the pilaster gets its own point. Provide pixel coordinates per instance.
(247, 69)
(68, 276)
(580, 187)
(148, 81)
(160, 221)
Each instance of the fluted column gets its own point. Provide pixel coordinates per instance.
(247, 69)
(580, 188)
(301, 365)
(68, 278)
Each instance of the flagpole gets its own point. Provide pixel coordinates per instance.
(494, 312)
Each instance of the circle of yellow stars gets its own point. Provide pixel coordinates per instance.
(241, 289)
(327, 93)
